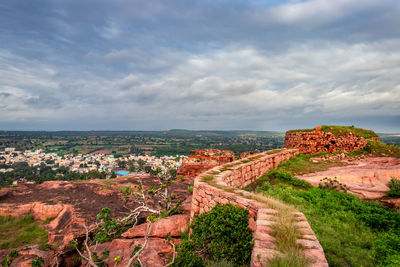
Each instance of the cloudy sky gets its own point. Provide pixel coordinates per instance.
(207, 64)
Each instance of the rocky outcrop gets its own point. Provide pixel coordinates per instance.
(202, 160)
(39, 211)
(173, 225)
(366, 178)
(155, 254)
(26, 255)
(317, 140)
(65, 227)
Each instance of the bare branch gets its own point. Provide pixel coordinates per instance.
(146, 237)
(173, 253)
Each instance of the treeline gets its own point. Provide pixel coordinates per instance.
(39, 174)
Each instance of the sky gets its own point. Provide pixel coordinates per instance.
(199, 64)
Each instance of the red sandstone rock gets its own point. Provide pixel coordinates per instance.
(65, 227)
(393, 203)
(156, 253)
(26, 255)
(39, 211)
(56, 185)
(366, 178)
(173, 225)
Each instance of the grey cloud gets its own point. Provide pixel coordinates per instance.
(199, 64)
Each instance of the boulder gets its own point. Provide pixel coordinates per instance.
(173, 225)
(156, 253)
(26, 255)
(65, 227)
(38, 210)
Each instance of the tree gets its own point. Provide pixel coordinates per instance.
(108, 229)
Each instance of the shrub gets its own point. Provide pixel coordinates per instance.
(332, 184)
(37, 262)
(387, 248)
(9, 258)
(218, 235)
(394, 185)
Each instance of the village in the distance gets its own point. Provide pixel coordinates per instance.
(35, 157)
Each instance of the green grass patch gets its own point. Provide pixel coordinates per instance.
(285, 237)
(377, 149)
(301, 164)
(207, 178)
(343, 130)
(352, 232)
(16, 232)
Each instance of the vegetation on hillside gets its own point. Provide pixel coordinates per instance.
(158, 143)
(342, 130)
(377, 149)
(394, 186)
(352, 232)
(220, 235)
(301, 164)
(16, 232)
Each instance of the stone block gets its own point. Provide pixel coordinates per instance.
(315, 254)
(309, 244)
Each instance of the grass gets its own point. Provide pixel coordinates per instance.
(347, 240)
(286, 235)
(301, 164)
(377, 149)
(352, 232)
(343, 130)
(16, 232)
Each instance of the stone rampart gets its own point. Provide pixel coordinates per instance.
(202, 160)
(317, 140)
(220, 186)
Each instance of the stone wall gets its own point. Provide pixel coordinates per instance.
(220, 186)
(202, 160)
(318, 140)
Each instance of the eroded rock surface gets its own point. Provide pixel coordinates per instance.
(155, 254)
(173, 225)
(367, 178)
(73, 205)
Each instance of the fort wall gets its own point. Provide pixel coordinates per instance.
(317, 140)
(221, 185)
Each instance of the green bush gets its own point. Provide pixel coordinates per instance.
(394, 185)
(11, 255)
(387, 248)
(37, 262)
(218, 235)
